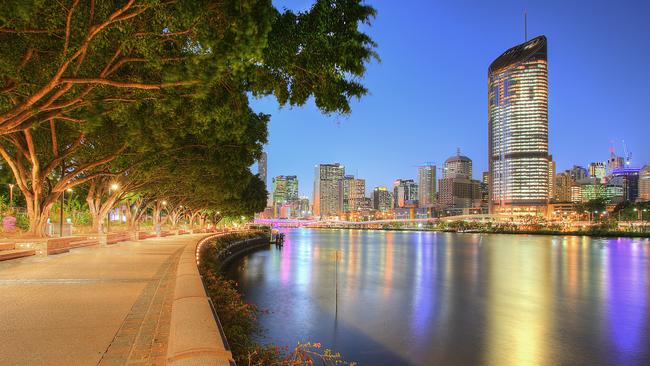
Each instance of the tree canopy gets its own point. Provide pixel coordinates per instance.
(155, 94)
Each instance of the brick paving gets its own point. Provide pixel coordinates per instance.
(142, 338)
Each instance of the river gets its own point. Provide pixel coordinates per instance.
(426, 298)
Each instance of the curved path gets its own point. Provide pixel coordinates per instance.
(92, 306)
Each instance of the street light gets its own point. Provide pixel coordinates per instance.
(11, 196)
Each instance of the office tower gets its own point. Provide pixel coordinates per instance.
(628, 179)
(578, 173)
(591, 189)
(427, 185)
(352, 191)
(563, 185)
(614, 162)
(459, 192)
(382, 199)
(405, 193)
(261, 167)
(597, 170)
(485, 188)
(285, 189)
(644, 184)
(457, 166)
(551, 178)
(326, 189)
(518, 129)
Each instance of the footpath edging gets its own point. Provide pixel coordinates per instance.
(195, 337)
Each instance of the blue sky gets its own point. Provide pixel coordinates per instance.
(428, 94)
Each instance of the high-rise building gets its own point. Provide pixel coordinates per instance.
(261, 167)
(326, 189)
(578, 173)
(459, 192)
(563, 185)
(427, 185)
(518, 129)
(597, 170)
(644, 184)
(551, 178)
(485, 188)
(628, 178)
(382, 199)
(405, 193)
(457, 166)
(352, 191)
(614, 162)
(591, 189)
(285, 189)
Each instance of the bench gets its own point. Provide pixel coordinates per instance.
(8, 251)
(166, 233)
(64, 244)
(145, 235)
(183, 232)
(115, 238)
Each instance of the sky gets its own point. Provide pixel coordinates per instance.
(428, 95)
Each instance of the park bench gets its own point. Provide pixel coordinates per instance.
(64, 244)
(145, 234)
(115, 238)
(9, 251)
(183, 232)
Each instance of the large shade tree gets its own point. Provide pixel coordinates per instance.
(84, 83)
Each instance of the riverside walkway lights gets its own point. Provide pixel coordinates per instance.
(112, 188)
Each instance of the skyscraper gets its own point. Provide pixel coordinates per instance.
(381, 199)
(326, 189)
(597, 170)
(261, 167)
(551, 178)
(518, 129)
(405, 193)
(352, 191)
(458, 166)
(285, 189)
(427, 185)
(644, 184)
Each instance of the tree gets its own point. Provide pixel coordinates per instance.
(90, 89)
(60, 58)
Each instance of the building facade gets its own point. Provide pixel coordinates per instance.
(551, 178)
(644, 184)
(457, 166)
(352, 192)
(405, 193)
(459, 192)
(285, 189)
(426, 185)
(262, 166)
(382, 199)
(518, 129)
(597, 170)
(326, 189)
(563, 187)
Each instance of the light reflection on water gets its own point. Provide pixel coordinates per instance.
(422, 298)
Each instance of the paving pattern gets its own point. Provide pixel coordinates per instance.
(94, 306)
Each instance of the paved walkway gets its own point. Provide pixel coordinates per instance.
(92, 306)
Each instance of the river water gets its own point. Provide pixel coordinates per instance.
(425, 298)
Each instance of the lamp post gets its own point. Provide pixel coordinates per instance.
(11, 196)
(113, 187)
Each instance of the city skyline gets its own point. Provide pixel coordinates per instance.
(371, 142)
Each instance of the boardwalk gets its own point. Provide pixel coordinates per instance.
(92, 306)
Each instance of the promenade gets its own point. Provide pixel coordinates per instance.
(92, 306)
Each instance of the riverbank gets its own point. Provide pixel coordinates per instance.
(596, 234)
(238, 319)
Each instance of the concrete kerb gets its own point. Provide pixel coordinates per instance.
(195, 337)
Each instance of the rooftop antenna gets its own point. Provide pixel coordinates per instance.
(525, 26)
(458, 151)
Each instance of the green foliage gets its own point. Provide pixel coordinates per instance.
(22, 221)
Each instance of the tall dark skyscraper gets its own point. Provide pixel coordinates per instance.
(261, 167)
(518, 129)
